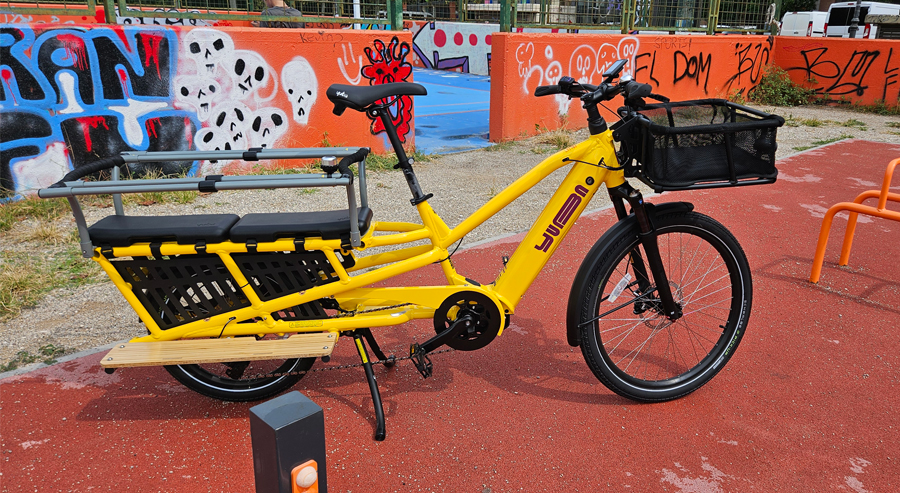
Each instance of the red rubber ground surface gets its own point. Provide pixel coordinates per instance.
(808, 403)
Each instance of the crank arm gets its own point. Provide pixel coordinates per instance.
(456, 328)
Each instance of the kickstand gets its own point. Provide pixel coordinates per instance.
(389, 361)
(370, 377)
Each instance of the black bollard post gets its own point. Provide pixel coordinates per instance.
(286, 432)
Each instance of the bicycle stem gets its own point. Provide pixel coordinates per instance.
(648, 236)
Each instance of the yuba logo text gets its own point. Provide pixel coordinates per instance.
(341, 94)
(562, 217)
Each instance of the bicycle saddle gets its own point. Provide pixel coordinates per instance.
(360, 97)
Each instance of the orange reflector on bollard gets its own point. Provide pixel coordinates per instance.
(305, 478)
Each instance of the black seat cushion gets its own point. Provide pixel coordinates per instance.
(118, 231)
(359, 97)
(329, 225)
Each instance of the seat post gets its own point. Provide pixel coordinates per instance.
(403, 164)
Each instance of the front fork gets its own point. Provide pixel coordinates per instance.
(619, 195)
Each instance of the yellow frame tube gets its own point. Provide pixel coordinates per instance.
(541, 241)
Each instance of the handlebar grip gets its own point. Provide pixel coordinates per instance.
(659, 97)
(82, 171)
(344, 164)
(635, 89)
(547, 90)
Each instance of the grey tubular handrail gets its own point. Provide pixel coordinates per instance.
(213, 183)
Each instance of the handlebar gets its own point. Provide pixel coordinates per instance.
(590, 95)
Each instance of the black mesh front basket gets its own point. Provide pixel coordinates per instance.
(708, 143)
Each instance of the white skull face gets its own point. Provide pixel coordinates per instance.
(301, 86)
(213, 139)
(250, 72)
(232, 120)
(198, 93)
(267, 126)
(582, 64)
(207, 47)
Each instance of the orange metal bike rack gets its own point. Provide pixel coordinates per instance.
(855, 209)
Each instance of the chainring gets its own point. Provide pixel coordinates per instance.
(483, 311)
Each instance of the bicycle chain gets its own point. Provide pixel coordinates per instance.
(341, 367)
(355, 365)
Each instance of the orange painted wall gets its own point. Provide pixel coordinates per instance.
(859, 71)
(680, 67)
(74, 93)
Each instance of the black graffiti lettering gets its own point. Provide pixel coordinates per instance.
(73, 45)
(23, 125)
(641, 67)
(321, 36)
(693, 67)
(852, 77)
(6, 157)
(28, 84)
(149, 78)
(91, 138)
(890, 75)
(752, 59)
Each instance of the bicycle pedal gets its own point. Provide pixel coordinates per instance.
(421, 360)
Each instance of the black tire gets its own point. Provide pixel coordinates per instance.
(633, 349)
(245, 383)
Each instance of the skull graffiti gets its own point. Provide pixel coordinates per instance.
(250, 72)
(198, 93)
(207, 48)
(301, 86)
(267, 125)
(232, 120)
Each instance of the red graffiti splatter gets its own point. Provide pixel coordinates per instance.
(151, 125)
(151, 44)
(75, 50)
(188, 133)
(123, 76)
(87, 123)
(7, 77)
(389, 65)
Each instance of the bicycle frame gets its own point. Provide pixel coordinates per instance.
(420, 302)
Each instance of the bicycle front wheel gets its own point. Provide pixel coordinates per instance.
(626, 339)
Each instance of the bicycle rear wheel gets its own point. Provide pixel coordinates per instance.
(626, 340)
(241, 380)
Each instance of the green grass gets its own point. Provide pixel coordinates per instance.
(386, 162)
(818, 143)
(501, 146)
(48, 354)
(892, 124)
(880, 107)
(25, 278)
(777, 88)
(854, 123)
(31, 207)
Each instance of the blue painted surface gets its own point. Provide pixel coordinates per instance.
(453, 117)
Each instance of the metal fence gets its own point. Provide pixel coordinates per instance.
(378, 12)
(624, 16)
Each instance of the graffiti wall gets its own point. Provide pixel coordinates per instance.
(72, 94)
(866, 72)
(680, 67)
(463, 47)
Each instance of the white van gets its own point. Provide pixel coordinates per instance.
(840, 14)
(809, 24)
